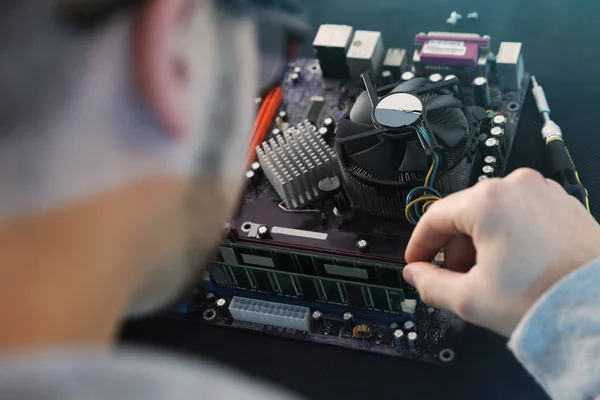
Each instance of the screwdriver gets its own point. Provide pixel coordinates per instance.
(558, 158)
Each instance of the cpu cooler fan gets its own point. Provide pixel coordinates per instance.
(383, 154)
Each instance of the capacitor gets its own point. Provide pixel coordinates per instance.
(256, 168)
(499, 120)
(317, 319)
(298, 70)
(491, 160)
(449, 77)
(413, 342)
(211, 297)
(324, 220)
(329, 123)
(409, 326)
(492, 148)
(323, 133)
(430, 312)
(394, 326)
(407, 76)
(332, 187)
(295, 78)
(348, 321)
(264, 232)
(222, 309)
(498, 133)
(251, 179)
(387, 78)
(276, 132)
(399, 339)
(434, 78)
(362, 245)
(488, 171)
(482, 178)
(283, 115)
(482, 92)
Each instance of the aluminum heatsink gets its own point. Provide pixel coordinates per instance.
(295, 161)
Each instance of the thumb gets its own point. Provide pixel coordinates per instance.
(438, 287)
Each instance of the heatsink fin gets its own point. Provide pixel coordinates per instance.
(270, 313)
(294, 163)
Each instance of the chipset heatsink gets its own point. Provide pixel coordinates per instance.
(295, 162)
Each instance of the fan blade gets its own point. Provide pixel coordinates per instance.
(370, 88)
(409, 85)
(449, 134)
(415, 159)
(348, 128)
(446, 101)
(381, 161)
(361, 110)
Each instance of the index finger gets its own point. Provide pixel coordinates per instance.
(446, 218)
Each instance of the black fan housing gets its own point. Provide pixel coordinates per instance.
(381, 152)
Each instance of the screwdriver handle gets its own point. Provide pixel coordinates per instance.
(563, 170)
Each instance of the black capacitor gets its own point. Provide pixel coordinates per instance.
(296, 78)
(488, 171)
(399, 339)
(276, 132)
(348, 321)
(264, 232)
(499, 120)
(329, 123)
(491, 160)
(251, 179)
(283, 115)
(435, 78)
(407, 76)
(498, 133)
(324, 133)
(362, 245)
(492, 148)
(387, 78)
(256, 168)
(332, 187)
(317, 321)
(413, 342)
(482, 92)
(222, 308)
(211, 297)
(409, 326)
(482, 178)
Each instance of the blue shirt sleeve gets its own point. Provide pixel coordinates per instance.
(558, 340)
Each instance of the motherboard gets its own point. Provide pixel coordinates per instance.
(363, 142)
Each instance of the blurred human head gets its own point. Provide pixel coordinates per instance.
(122, 141)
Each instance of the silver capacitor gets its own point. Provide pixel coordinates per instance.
(434, 78)
(499, 120)
(407, 76)
(317, 319)
(499, 133)
(413, 342)
(409, 326)
(399, 339)
(348, 321)
(482, 92)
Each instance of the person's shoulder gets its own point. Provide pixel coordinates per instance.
(116, 374)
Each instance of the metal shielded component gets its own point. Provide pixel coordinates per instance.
(331, 45)
(365, 54)
(510, 66)
(395, 61)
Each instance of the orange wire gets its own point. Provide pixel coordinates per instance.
(263, 121)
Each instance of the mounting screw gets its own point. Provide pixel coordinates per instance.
(454, 18)
(264, 232)
(473, 15)
(362, 245)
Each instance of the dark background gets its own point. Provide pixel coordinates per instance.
(560, 47)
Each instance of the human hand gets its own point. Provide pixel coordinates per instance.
(525, 232)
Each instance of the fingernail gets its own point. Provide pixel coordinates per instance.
(408, 276)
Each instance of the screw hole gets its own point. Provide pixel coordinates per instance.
(513, 106)
(246, 227)
(446, 355)
(209, 314)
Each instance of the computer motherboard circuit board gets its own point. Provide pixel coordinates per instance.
(316, 249)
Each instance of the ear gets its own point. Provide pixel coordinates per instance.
(159, 63)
